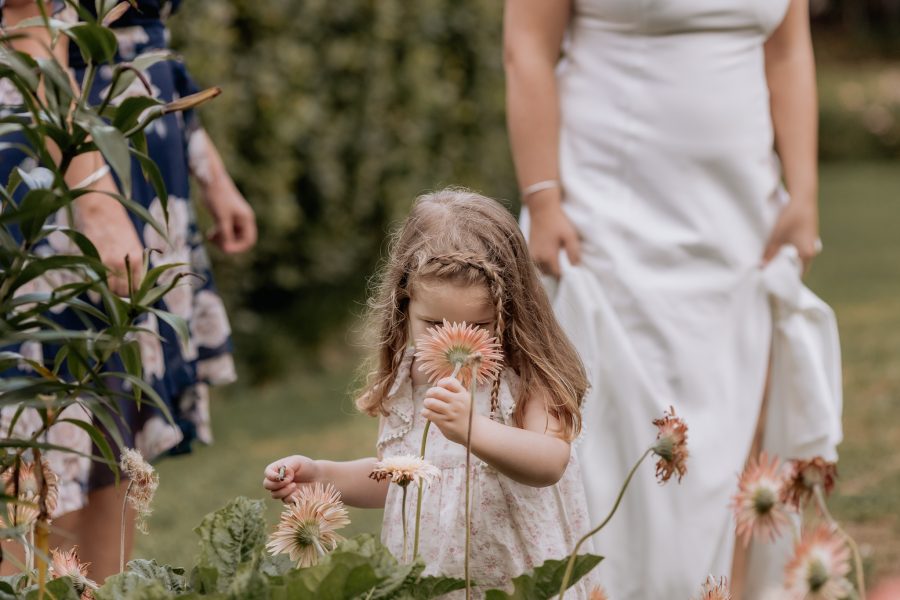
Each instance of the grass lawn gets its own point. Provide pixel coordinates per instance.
(309, 411)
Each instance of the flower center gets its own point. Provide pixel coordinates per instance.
(665, 448)
(458, 356)
(764, 500)
(817, 576)
(308, 534)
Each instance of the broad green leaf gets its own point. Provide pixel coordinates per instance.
(544, 581)
(97, 44)
(21, 64)
(151, 171)
(433, 587)
(130, 352)
(171, 578)
(57, 589)
(125, 75)
(248, 583)
(230, 536)
(204, 580)
(132, 586)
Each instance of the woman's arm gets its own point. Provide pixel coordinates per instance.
(99, 216)
(235, 229)
(351, 478)
(533, 31)
(534, 456)
(790, 71)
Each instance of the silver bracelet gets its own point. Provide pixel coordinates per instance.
(540, 186)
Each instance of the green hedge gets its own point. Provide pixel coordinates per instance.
(335, 115)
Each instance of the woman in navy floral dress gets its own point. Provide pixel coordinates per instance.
(180, 371)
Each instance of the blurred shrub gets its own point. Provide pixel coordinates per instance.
(859, 112)
(335, 115)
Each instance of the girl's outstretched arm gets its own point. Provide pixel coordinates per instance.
(351, 478)
(535, 455)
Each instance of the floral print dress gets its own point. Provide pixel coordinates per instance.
(179, 370)
(515, 527)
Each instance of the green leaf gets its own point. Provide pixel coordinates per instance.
(230, 536)
(171, 578)
(132, 586)
(544, 581)
(112, 144)
(151, 171)
(57, 589)
(248, 583)
(97, 437)
(127, 113)
(124, 76)
(58, 88)
(434, 587)
(131, 357)
(97, 44)
(204, 579)
(22, 65)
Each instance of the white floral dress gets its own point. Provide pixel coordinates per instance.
(515, 527)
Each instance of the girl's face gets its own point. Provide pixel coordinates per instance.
(431, 301)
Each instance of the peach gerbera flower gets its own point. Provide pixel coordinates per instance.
(598, 593)
(25, 511)
(461, 349)
(142, 486)
(66, 564)
(804, 476)
(306, 531)
(819, 568)
(758, 510)
(670, 446)
(715, 590)
(405, 469)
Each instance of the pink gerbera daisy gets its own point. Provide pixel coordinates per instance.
(819, 568)
(66, 564)
(460, 349)
(715, 590)
(758, 509)
(306, 531)
(671, 446)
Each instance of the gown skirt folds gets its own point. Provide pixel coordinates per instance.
(669, 175)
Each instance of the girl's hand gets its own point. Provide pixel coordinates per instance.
(284, 476)
(550, 231)
(798, 224)
(447, 406)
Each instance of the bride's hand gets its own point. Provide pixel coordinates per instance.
(798, 225)
(551, 230)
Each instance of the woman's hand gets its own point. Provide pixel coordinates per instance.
(447, 406)
(106, 223)
(798, 225)
(550, 231)
(235, 229)
(283, 477)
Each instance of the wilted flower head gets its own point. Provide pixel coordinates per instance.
(26, 510)
(307, 527)
(670, 446)
(804, 476)
(405, 469)
(758, 510)
(447, 347)
(819, 568)
(66, 564)
(143, 483)
(715, 590)
(598, 593)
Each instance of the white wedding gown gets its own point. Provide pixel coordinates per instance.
(669, 174)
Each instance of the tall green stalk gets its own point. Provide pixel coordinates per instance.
(420, 491)
(472, 388)
(570, 567)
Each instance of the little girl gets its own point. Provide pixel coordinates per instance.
(461, 257)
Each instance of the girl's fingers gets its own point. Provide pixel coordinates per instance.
(450, 384)
(284, 492)
(435, 405)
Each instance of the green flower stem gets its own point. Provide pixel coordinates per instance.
(420, 491)
(468, 479)
(403, 516)
(857, 557)
(122, 529)
(570, 567)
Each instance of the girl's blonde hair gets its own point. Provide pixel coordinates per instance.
(461, 236)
